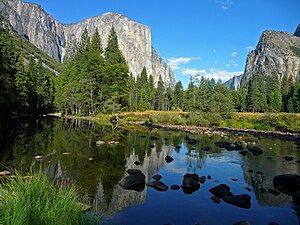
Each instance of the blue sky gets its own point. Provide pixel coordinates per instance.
(206, 37)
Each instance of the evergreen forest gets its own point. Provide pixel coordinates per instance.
(97, 80)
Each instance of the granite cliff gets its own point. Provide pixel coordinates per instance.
(61, 40)
(234, 83)
(277, 52)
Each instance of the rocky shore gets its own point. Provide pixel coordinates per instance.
(224, 131)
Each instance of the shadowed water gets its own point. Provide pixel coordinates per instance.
(70, 155)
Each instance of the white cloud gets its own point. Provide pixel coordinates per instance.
(227, 65)
(235, 64)
(175, 63)
(248, 48)
(233, 54)
(225, 4)
(214, 73)
(231, 61)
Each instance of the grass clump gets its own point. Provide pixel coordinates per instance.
(37, 201)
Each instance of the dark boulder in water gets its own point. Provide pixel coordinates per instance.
(152, 138)
(296, 197)
(194, 176)
(158, 185)
(221, 190)
(287, 183)
(243, 201)
(137, 163)
(192, 141)
(202, 179)
(289, 158)
(175, 187)
(216, 199)
(190, 183)
(157, 177)
(255, 150)
(244, 152)
(186, 138)
(168, 159)
(134, 182)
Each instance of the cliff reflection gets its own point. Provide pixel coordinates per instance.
(271, 163)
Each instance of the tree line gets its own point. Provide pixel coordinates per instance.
(25, 89)
(97, 80)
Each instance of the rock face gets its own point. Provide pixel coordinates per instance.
(297, 32)
(234, 83)
(274, 53)
(60, 41)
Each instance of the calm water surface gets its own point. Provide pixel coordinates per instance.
(71, 156)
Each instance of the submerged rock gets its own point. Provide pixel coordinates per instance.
(287, 183)
(190, 183)
(255, 150)
(243, 201)
(188, 189)
(168, 159)
(244, 152)
(216, 199)
(137, 163)
(192, 141)
(175, 187)
(296, 197)
(157, 177)
(194, 176)
(202, 179)
(221, 190)
(153, 138)
(158, 185)
(134, 182)
(289, 158)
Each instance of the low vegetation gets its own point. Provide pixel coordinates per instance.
(36, 200)
(284, 122)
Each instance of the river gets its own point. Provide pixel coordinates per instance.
(70, 155)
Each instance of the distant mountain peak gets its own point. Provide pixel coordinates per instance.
(60, 41)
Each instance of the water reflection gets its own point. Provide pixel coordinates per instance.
(72, 156)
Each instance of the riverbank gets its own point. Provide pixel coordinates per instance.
(224, 131)
(282, 126)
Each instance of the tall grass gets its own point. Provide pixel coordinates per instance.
(37, 201)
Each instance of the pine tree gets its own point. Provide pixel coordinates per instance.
(273, 93)
(22, 84)
(178, 96)
(256, 97)
(191, 97)
(116, 73)
(160, 95)
(151, 92)
(284, 90)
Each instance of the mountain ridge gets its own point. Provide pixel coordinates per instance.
(60, 40)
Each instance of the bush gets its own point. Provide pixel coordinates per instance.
(37, 201)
